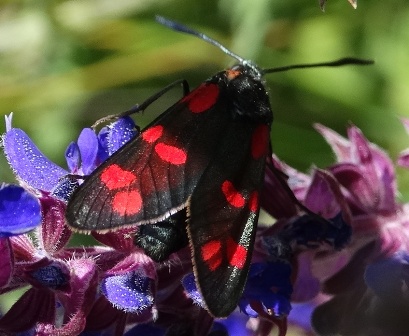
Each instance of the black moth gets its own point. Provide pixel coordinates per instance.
(203, 160)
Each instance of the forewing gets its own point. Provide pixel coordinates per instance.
(154, 174)
(223, 212)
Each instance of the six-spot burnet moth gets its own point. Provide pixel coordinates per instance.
(196, 169)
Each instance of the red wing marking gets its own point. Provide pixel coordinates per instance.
(253, 202)
(259, 141)
(232, 195)
(152, 134)
(171, 154)
(114, 177)
(236, 254)
(203, 98)
(212, 254)
(127, 203)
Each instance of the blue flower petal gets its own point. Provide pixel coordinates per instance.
(245, 307)
(28, 163)
(88, 144)
(385, 277)
(65, 187)
(73, 157)
(236, 325)
(120, 132)
(311, 231)
(19, 211)
(130, 292)
(145, 329)
(51, 276)
(191, 289)
(270, 284)
(103, 144)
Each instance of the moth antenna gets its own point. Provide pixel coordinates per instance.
(184, 29)
(339, 62)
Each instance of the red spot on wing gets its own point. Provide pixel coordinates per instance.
(253, 202)
(202, 98)
(260, 141)
(212, 254)
(127, 202)
(152, 134)
(232, 195)
(236, 254)
(171, 154)
(114, 177)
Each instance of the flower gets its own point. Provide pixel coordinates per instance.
(338, 233)
(19, 211)
(63, 279)
(363, 187)
(86, 289)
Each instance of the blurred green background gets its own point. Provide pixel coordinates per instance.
(64, 64)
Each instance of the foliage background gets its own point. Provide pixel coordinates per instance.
(64, 64)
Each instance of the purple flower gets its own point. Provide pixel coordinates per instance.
(65, 281)
(19, 211)
(270, 284)
(93, 289)
(130, 292)
(34, 169)
(339, 244)
(361, 187)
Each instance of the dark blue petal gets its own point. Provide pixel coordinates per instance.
(245, 307)
(219, 329)
(279, 304)
(191, 289)
(103, 144)
(19, 211)
(277, 247)
(270, 284)
(88, 144)
(130, 292)
(145, 330)
(66, 186)
(271, 274)
(50, 276)
(73, 157)
(236, 325)
(386, 277)
(28, 163)
(120, 132)
(312, 231)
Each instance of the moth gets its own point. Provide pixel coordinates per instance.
(201, 161)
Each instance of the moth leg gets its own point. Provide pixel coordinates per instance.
(146, 103)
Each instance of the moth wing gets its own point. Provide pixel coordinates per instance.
(153, 175)
(223, 215)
